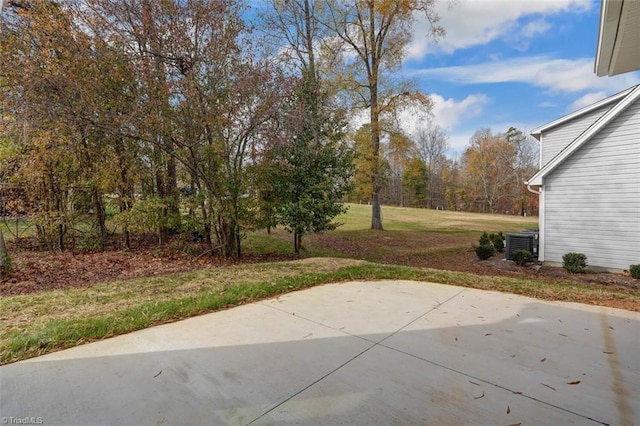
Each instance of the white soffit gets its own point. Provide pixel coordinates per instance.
(619, 37)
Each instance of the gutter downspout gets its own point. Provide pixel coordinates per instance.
(538, 192)
(531, 190)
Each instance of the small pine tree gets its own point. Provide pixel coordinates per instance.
(485, 251)
(498, 241)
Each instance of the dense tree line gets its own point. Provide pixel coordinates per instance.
(170, 114)
(212, 118)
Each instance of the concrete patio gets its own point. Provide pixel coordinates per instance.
(359, 353)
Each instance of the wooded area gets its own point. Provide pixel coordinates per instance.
(212, 118)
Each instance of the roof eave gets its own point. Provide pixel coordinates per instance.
(610, 115)
(538, 130)
(610, 11)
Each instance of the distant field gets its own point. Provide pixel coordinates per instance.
(412, 219)
(411, 237)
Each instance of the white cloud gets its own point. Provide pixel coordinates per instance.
(459, 139)
(586, 100)
(556, 75)
(448, 113)
(471, 23)
(547, 104)
(534, 28)
(458, 142)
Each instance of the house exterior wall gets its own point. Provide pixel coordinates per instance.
(556, 139)
(592, 200)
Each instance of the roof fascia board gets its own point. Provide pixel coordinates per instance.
(536, 180)
(608, 31)
(538, 130)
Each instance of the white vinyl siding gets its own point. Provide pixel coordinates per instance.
(554, 140)
(592, 200)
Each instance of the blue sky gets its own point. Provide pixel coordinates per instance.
(509, 63)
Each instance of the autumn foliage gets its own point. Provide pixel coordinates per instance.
(156, 113)
(198, 117)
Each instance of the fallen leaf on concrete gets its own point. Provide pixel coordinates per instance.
(543, 359)
(488, 334)
(575, 382)
(550, 387)
(515, 424)
(508, 410)
(478, 397)
(159, 373)
(611, 328)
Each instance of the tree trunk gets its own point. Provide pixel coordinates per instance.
(101, 216)
(126, 196)
(297, 242)
(5, 262)
(173, 194)
(376, 214)
(62, 226)
(237, 242)
(206, 225)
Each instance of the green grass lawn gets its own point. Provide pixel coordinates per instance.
(399, 223)
(20, 228)
(358, 217)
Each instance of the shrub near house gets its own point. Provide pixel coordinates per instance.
(634, 270)
(576, 263)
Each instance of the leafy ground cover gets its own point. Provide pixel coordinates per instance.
(58, 300)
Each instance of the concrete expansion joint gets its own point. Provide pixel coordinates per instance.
(491, 383)
(355, 357)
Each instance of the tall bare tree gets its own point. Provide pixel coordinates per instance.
(432, 145)
(375, 33)
(525, 165)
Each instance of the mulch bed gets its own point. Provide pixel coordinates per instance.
(35, 270)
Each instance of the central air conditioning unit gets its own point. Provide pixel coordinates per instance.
(526, 240)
